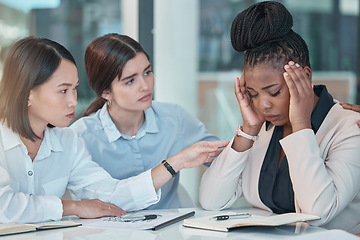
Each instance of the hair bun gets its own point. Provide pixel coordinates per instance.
(260, 23)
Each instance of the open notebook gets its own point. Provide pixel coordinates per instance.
(210, 223)
(13, 228)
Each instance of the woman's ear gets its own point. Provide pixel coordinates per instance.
(30, 97)
(106, 95)
(308, 72)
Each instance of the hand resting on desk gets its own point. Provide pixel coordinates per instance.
(92, 208)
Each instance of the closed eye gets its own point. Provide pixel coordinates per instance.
(252, 95)
(275, 94)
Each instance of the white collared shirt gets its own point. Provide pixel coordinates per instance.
(31, 191)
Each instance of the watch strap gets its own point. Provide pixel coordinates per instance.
(169, 168)
(239, 132)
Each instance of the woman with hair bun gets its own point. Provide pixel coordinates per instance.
(298, 149)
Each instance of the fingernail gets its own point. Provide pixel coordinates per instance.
(297, 65)
(286, 74)
(291, 63)
(287, 66)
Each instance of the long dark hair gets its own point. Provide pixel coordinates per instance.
(29, 63)
(105, 58)
(264, 31)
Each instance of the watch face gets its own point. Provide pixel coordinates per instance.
(237, 131)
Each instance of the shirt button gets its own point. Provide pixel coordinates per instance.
(30, 173)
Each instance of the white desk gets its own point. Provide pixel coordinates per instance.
(173, 232)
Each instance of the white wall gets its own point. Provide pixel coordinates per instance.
(130, 17)
(176, 64)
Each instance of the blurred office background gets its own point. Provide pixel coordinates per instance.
(189, 46)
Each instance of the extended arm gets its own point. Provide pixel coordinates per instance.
(89, 181)
(193, 156)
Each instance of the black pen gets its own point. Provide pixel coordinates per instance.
(174, 220)
(231, 216)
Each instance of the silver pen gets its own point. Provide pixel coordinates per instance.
(231, 216)
(134, 218)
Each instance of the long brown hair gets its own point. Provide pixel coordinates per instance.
(29, 63)
(105, 58)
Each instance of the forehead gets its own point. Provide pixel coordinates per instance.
(66, 73)
(262, 75)
(136, 64)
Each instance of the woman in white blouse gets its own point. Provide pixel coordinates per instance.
(39, 158)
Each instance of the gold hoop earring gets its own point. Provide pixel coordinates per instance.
(108, 102)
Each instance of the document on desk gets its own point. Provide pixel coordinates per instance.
(235, 220)
(142, 220)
